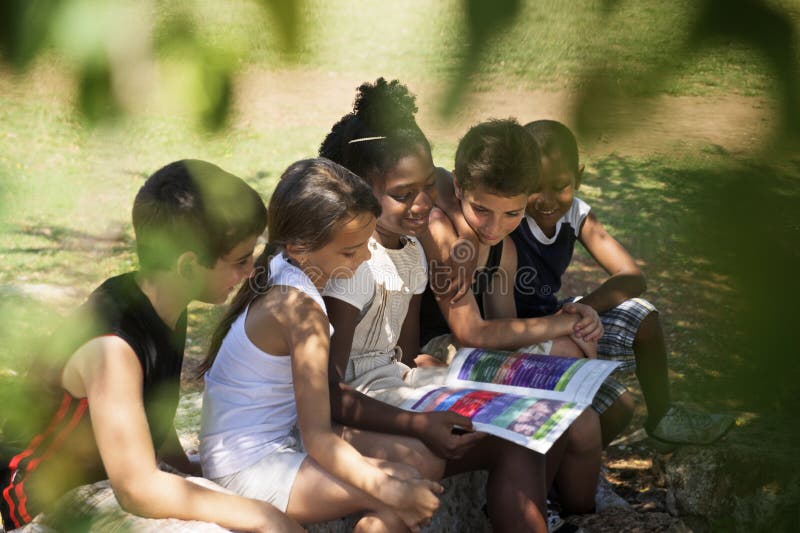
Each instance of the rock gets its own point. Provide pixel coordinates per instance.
(616, 520)
(740, 484)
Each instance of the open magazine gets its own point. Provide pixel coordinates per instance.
(530, 399)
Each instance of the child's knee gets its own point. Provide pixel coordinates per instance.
(430, 465)
(584, 435)
(649, 328)
(565, 347)
(620, 412)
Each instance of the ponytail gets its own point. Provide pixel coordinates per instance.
(257, 284)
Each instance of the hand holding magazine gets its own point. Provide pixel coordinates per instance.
(529, 399)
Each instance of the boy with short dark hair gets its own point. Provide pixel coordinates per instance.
(496, 168)
(112, 379)
(555, 219)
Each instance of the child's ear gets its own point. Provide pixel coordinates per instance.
(579, 176)
(456, 189)
(187, 265)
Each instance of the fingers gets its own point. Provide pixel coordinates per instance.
(455, 419)
(584, 323)
(423, 360)
(460, 444)
(589, 329)
(433, 486)
(462, 286)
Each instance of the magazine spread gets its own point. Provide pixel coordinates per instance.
(529, 399)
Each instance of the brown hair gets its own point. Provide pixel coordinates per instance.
(313, 198)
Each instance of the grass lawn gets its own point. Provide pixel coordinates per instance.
(66, 191)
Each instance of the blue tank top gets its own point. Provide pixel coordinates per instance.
(542, 261)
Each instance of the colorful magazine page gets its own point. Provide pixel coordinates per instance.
(559, 378)
(535, 423)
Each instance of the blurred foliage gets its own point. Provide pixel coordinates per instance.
(120, 53)
(754, 24)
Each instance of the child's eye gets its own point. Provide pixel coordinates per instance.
(401, 198)
(513, 214)
(349, 254)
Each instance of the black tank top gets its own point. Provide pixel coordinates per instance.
(432, 322)
(62, 439)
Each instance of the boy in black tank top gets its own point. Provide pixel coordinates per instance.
(496, 167)
(109, 378)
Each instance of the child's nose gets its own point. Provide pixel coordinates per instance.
(493, 225)
(546, 200)
(422, 203)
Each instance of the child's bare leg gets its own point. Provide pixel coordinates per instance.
(516, 491)
(379, 522)
(396, 448)
(616, 418)
(317, 496)
(579, 466)
(565, 347)
(651, 367)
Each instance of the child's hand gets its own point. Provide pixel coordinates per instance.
(423, 360)
(413, 500)
(436, 431)
(589, 327)
(400, 471)
(458, 271)
(589, 348)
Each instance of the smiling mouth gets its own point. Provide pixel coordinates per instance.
(547, 213)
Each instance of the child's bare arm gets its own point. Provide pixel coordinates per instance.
(463, 259)
(306, 329)
(108, 373)
(464, 317)
(625, 281)
(408, 341)
(499, 303)
(353, 408)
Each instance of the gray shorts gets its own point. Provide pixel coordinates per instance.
(621, 324)
(271, 478)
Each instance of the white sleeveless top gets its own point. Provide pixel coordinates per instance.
(381, 289)
(249, 408)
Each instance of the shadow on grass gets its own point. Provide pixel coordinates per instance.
(717, 241)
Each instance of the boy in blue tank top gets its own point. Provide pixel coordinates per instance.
(555, 219)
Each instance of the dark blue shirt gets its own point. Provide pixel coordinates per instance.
(542, 260)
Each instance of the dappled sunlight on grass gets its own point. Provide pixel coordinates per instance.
(680, 217)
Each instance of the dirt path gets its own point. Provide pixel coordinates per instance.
(305, 98)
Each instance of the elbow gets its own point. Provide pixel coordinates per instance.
(134, 496)
(469, 334)
(131, 500)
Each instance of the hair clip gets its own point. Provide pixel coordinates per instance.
(364, 139)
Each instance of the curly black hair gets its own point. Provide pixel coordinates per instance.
(379, 131)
